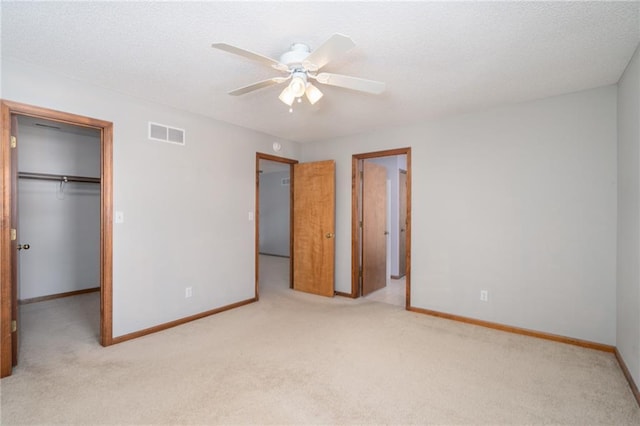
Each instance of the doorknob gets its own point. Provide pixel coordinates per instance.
(24, 246)
(329, 235)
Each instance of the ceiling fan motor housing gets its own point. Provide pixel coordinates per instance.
(296, 55)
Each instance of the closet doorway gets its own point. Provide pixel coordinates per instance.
(381, 226)
(56, 227)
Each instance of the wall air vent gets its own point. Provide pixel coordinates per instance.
(163, 133)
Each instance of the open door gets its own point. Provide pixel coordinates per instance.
(374, 224)
(402, 219)
(314, 227)
(15, 235)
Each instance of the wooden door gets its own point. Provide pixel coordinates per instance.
(402, 219)
(314, 227)
(374, 224)
(15, 268)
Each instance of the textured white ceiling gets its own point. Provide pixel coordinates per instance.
(437, 58)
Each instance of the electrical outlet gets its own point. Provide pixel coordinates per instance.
(484, 295)
(187, 292)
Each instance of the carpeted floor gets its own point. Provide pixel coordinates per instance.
(294, 358)
(395, 293)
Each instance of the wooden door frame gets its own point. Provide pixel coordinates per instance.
(355, 239)
(8, 108)
(290, 162)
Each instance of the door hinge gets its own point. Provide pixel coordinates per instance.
(361, 174)
(14, 326)
(360, 224)
(14, 234)
(14, 141)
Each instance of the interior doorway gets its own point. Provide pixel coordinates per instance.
(311, 223)
(12, 242)
(273, 217)
(381, 222)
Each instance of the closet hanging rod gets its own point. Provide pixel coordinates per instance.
(59, 178)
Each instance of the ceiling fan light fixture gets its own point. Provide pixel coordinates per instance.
(313, 94)
(298, 84)
(287, 96)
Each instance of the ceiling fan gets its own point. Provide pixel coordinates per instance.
(301, 65)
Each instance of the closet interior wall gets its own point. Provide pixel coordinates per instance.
(59, 220)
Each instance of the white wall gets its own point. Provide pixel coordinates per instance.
(275, 199)
(628, 313)
(185, 207)
(61, 224)
(518, 200)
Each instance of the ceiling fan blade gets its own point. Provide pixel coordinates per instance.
(259, 85)
(353, 83)
(335, 46)
(250, 55)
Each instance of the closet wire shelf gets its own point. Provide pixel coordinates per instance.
(58, 178)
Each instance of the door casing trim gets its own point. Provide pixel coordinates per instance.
(355, 240)
(7, 108)
(290, 162)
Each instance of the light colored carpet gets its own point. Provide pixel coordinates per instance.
(395, 293)
(294, 358)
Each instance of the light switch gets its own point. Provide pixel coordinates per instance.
(250, 216)
(119, 217)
